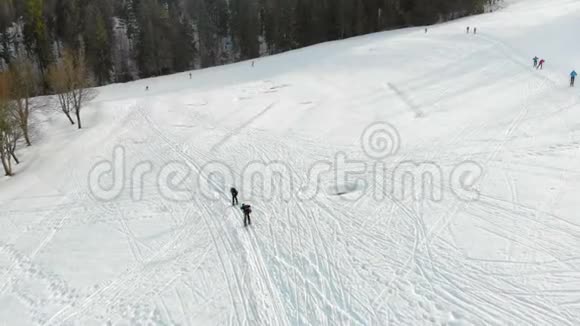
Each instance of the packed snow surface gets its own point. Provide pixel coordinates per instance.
(496, 241)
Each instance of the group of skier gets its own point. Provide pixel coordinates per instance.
(246, 209)
(539, 64)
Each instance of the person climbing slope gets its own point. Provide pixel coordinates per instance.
(247, 209)
(234, 196)
(541, 64)
(573, 75)
(535, 61)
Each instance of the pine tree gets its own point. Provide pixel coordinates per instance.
(36, 37)
(6, 21)
(97, 35)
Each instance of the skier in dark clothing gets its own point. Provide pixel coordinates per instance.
(573, 75)
(247, 209)
(535, 61)
(234, 196)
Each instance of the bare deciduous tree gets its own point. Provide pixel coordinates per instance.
(70, 80)
(24, 83)
(57, 79)
(9, 137)
(10, 133)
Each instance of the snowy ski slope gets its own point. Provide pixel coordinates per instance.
(151, 255)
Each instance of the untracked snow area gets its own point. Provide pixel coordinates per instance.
(496, 242)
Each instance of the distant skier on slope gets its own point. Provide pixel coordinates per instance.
(467, 29)
(475, 30)
(247, 209)
(535, 61)
(234, 193)
(573, 75)
(541, 64)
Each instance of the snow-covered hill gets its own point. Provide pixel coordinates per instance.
(495, 242)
